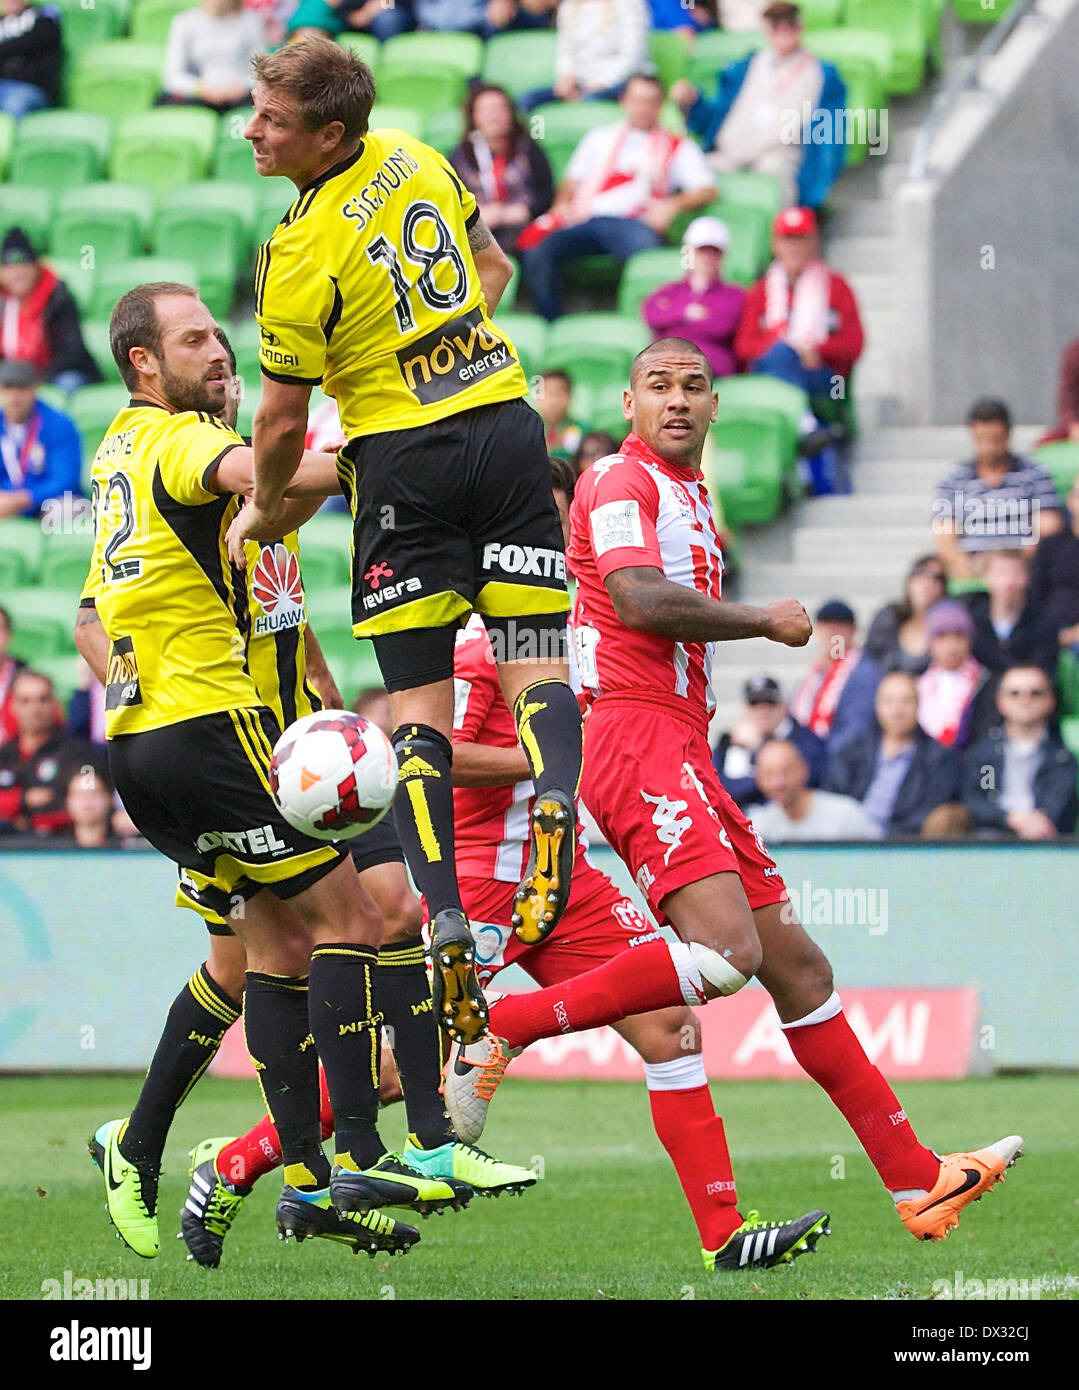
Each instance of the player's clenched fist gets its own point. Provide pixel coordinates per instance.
(789, 622)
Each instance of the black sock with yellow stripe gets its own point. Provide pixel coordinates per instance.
(423, 813)
(283, 1054)
(548, 720)
(404, 996)
(347, 1029)
(198, 1019)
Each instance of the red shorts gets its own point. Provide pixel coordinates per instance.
(650, 784)
(598, 923)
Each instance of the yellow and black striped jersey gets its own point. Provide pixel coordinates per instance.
(277, 620)
(172, 606)
(368, 287)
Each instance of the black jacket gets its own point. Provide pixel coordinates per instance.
(67, 351)
(1054, 783)
(30, 48)
(1032, 641)
(931, 780)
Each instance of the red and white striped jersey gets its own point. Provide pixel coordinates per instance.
(632, 509)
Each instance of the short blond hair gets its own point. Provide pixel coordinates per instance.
(327, 82)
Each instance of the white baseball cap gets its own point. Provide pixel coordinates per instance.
(707, 231)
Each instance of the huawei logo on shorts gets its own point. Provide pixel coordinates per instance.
(276, 588)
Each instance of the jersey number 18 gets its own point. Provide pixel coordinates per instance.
(425, 259)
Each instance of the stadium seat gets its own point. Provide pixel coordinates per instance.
(113, 235)
(509, 294)
(114, 281)
(1062, 460)
(645, 272)
(444, 130)
(599, 405)
(521, 62)
(762, 191)
(21, 537)
(82, 23)
(975, 12)
(93, 408)
(233, 160)
(79, 277)
(150, 19)
(559, 126)
(426, 89)
(117, 78)
(749, 250)
(244, 336)
(106, 201)
(65, 559)
(219, 195)
(55, 149)
(327, 530)
(7, 139)
(365, 46)
(12, 570)
(593, 348)
(715, 50)
(445, 50)
(907, 26)
(165, 147)
(213, 228)
(760, 438)
(764, 393)
(821, 14)
(273, 198)
(725, 477)
(1068, 682)
(406, 118)
(95, 334)
(1069, 733)
(28, 207)
(323, 566)
(837, 46)
(44, 620)
(670, 54)
(528, 333)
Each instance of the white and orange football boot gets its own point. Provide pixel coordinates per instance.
(963, 1178)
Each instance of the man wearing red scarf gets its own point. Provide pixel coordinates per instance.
(39, 321)
(835, 697)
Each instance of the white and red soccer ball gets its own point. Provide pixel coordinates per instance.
(333, 774)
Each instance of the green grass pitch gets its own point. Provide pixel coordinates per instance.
(607, 1222)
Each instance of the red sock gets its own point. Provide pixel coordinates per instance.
(692, 1133)
(635, 982)
(836, 1060)
(258, 1152)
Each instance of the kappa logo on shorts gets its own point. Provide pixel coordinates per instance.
(261, 839)
(453, 358)
(525, 559)
(670, 824)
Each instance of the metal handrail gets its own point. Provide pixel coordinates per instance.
(967, 77)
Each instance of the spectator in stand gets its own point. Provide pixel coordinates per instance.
(764, 717)
(1009, 630)
(30, 57)
(792, 811)
(552, 401)
(332, 17)
(952, 691)
(756, 120)
(483, 17)
(702, 307)
(40, 452)
(39, 321)
(897, 772)
(10, 666)
(684, 16)
(86, 709)
(374, 704)
(208, 55)
(898, 639)
(834, 699)
(601, 45)
(37, 763)
(994, 501)
(90, 806)
(624, 186)
(1067, 425)
(801, 321)
(1054, 576)
(505, 15)
(1020, 777)
(502, 165)
(596, 444)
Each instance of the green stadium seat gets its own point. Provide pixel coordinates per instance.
(725, 477)
(593, 348)
(521, 62)
(1069, 733)
(93, 408)
(1061, 457)
(837, 46)
(715, 50)
(428, 90)
(113, 235)
(559, 126)
(244, 337)
(113, 281)
(28, 207)
(65, 559)
(85, 23)
(239, 200)
(752, 190)
(95, 334)
(13, 571)
(821, 14)
(670, 54)
(760, 437)
(52, 395)
(599, 405)
(117, 78)
(165, 147)
(327, 530)
(7, 139)
(509, 294)
(764, 393)
(444, 130)
(129, 198)
(528, 333)
(216, 236)
(21, 537)
(907, 26)
(79, 278)
(865, 95)
(323, 566)
(1068, 682)
(330, 611)
(273, 198)
(233, 160)
(446, 50)
(150, 19)
(645, 272)
(406, 118)
(365, 46)
(55, 149)
(44, 620)
(56, 127)
(977, 12)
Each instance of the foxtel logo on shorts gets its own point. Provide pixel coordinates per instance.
(391, 591)
(260, 840)
(525, 559)
(453, 358)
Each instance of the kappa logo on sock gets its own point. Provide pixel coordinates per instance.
(899, 1118)
(715, 1188)
(563, 1017)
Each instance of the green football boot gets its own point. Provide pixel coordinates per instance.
(393, 1183)
(130, 1192)
(311, 1214)
(486, 1175)
(761, 1244)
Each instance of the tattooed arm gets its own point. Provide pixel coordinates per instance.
(492, 264)
(91, 642)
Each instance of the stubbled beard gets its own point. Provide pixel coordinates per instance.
(189, 395)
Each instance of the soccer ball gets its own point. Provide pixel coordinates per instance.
(333, 774)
